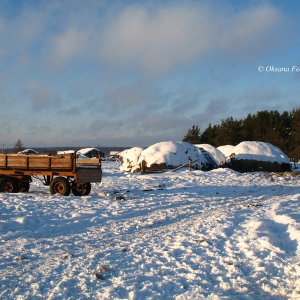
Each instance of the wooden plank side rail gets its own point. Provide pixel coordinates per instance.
(40, 162)
(88, 162)
(66, 162)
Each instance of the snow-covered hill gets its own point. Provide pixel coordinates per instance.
(177, 235)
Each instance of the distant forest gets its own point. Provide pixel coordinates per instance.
(279, 129)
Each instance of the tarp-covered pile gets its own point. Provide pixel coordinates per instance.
(215, 153)
(258, 156)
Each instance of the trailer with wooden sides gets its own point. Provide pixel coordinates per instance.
(63, 173)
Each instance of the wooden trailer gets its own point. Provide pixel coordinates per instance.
(62, 173)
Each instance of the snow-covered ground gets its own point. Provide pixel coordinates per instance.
(176, 235)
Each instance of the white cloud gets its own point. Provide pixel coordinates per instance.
(67, 45)
(251, 30)
(41, 96)
(19, 34)
(157, 40)
(151, 37)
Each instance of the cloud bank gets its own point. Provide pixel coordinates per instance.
(156, 40)
(134, 72)
(153, 38)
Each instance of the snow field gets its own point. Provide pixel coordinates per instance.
(175, 235)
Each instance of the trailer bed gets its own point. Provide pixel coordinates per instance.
(77, 171)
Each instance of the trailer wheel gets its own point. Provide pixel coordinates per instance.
(24, 186)
(81, 189)
(9, 185)
(60, 185)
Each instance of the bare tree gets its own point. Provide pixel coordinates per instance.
(19, 146)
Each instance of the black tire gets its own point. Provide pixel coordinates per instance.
(60, 185)
(24, 186)
(9, 185)
(82, 189)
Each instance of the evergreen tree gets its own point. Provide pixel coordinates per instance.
(210, 135)
(279, 129)
(193, 135)
(230, 132)
(294, 139)
(247, 131)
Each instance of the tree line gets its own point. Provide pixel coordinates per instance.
(279, 129)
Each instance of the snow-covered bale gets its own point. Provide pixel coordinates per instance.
(28, 151)
(216, 154)
(91, 152)
(65, 152)
(227, 150)
(258, 156)
(260, 151)
(169, 155)
(114, 154)
(129, 159)
(68, 152)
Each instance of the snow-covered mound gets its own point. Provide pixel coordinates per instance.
(129, 159)
(260, 151)
(28, 151)
(78, 154)
(216, 154)
(227, 150)
(171, 155)
(85, 153)
(251, 156)
(91, 152)
(65, 152)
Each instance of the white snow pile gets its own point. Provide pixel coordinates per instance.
(216, 154)
(227, 150)
(86, 151)
(65, 152)
(177, 235)
(78, 154)
(129, 159)
(259, 151)
(171, 155)
(28, 151)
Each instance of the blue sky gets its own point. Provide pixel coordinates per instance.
(132, 73)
